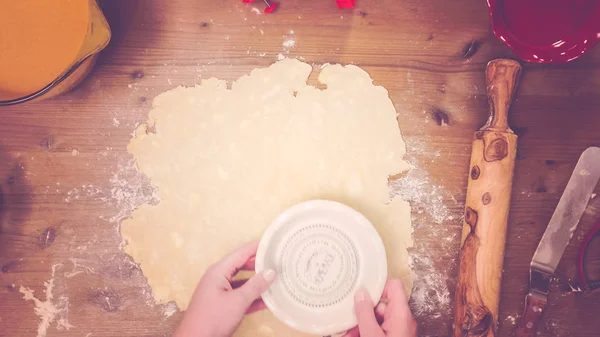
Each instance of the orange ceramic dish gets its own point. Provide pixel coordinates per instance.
(47, 47)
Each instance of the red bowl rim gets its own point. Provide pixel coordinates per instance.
(570, 49)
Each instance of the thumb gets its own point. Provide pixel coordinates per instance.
(255, 286)
(365, 313)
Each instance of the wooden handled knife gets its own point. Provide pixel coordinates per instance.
(556, 238)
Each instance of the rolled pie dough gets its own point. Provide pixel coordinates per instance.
(226, 162)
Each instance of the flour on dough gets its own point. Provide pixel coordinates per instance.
(226, 162)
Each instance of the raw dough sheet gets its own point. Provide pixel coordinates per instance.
(226, 162)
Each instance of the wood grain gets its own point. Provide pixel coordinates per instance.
(502, 78)
(487, 207)
(430, 55)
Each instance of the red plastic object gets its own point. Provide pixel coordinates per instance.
(546, 31)
(345, 3)
(247, 1)
(272, 7)
(584, 244)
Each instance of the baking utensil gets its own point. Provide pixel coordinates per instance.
(486, 213)
(323, 252)
(96, 38)
(560, 229)
(546, 31)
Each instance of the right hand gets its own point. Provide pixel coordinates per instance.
(391, 318)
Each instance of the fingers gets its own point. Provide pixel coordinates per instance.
(380, 311)
(398, 317)
(394, 291)
(352, 333)
(365, 313)
(257, 305)
(254, 287)
(394, 302)
(238, 283)
(398, 301)
(250, 264)
(238, 259)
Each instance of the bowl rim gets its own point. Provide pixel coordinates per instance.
(378, 252)
(94, 11)
(576, 46)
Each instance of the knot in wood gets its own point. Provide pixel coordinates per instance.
(47, 237)
(477, 321)
(486, 198)
(471, 218)
(496, 150)
(475, 172)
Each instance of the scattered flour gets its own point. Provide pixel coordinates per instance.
(78, 268)
(430, 294)
(256, 11)
(129, 190)
(88, 190)
(170, 309)
(50, 310)
(425, 196)
(289, 43)
(511, 319)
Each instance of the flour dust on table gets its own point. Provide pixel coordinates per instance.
(226, 162)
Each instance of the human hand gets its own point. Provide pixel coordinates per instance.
(220, 303)
(391, 318)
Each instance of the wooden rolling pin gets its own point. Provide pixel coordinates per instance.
(486, 209)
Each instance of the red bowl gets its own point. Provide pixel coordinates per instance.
(546, 31)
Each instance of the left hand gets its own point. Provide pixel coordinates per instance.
(220, 303)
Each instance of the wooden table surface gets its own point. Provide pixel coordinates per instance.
(66, 178)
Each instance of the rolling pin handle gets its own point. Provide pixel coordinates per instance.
(502, 77)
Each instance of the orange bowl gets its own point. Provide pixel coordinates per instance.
(47, 48)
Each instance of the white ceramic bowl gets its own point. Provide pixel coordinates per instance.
(323, 252)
